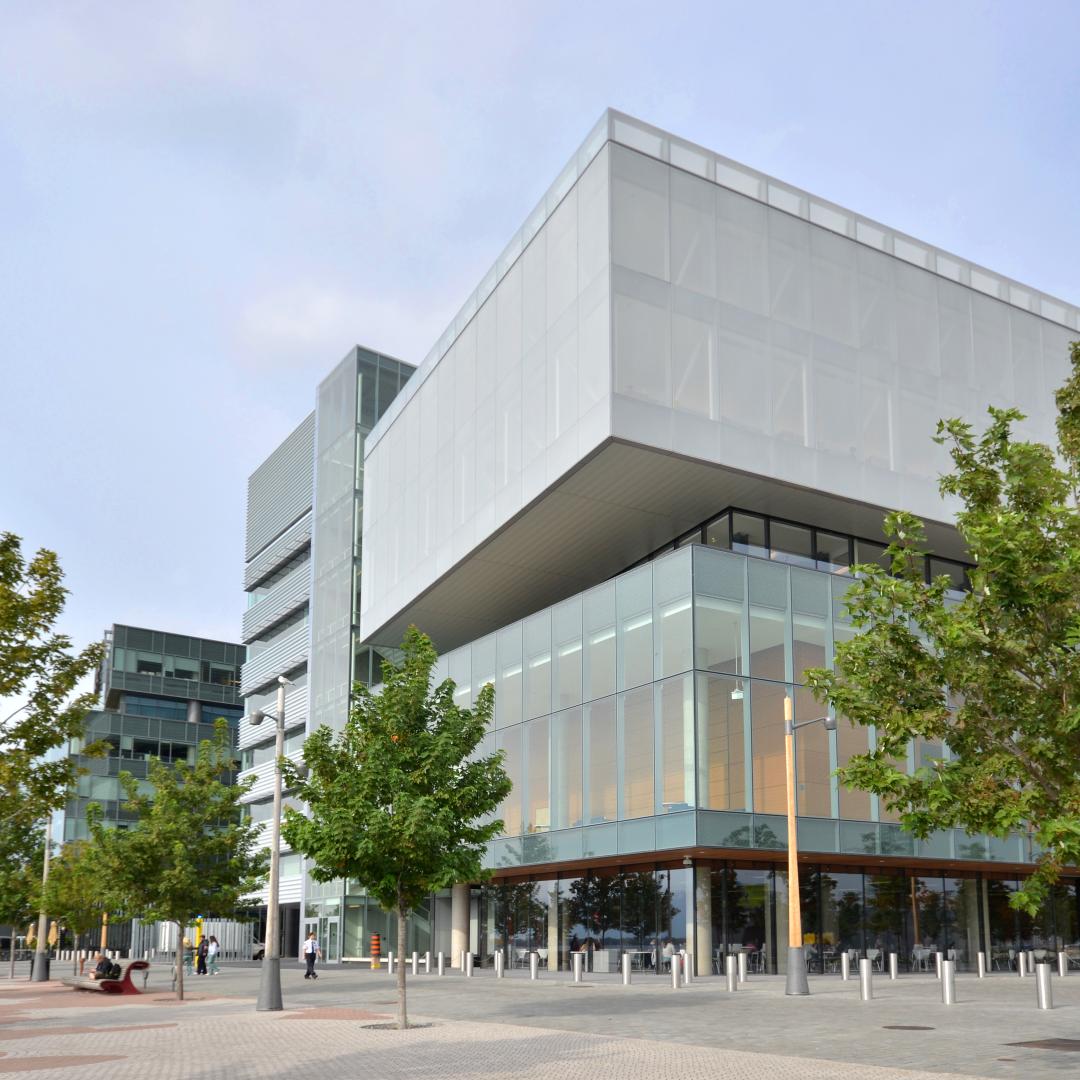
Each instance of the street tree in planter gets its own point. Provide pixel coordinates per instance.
(994, 676)
(400, 801)
(190, 852)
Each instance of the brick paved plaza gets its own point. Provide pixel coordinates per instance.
(546, 1030)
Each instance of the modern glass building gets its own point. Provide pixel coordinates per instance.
(302, 576)
(627, 487)
(161, 694)
(160, 697)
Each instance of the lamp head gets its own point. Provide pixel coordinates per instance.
(830, 723)
(256, 718)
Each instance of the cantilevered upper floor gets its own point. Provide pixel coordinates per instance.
(672, 333)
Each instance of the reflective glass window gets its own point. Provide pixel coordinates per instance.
(812, 772)
(509, 742)
(509, 689)
(566, 650)
(673, 615)
(767, 743)
(769, 655)
(636, 740)
(831, 551)
(537, 788)
(602, 774)
(598, 614)
(677, 743)
(748, 534)
(791, 544)
(566, 762)
(538, 665)
(721, 753)
(633, 593)
(810, 618)
(718, 532)
(719, 613)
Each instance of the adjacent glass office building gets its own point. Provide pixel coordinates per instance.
(627, 486)
(302, 577)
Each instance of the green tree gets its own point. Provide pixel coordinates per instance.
(74, 893)
(37, 666)
(399, 801)
(993, 676)
(190, 852)
(21, 862)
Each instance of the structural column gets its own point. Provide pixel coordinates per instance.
(459, 923)
(703, 938)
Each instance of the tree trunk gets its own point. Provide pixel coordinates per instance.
(75, 954)
(11, 956)
(402, 939)
(179, 961)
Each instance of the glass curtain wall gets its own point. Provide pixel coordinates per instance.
(641, 912)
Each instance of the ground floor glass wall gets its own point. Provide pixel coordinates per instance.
(721, 907)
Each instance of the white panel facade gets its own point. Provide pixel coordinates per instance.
(677, 300)
(746, 336)
(520, 397)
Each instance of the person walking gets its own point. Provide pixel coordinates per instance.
(212, 954)
(204, 949)
(189, 957)
(311, 953)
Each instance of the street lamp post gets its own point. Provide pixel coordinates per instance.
(270, 980)
(39, 967)
(797, 983)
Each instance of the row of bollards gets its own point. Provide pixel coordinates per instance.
(735, 970)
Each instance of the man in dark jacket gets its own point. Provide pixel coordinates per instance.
(204, 949)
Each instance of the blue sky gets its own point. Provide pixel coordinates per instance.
(203, 206)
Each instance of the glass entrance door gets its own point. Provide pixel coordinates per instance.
(329, 932)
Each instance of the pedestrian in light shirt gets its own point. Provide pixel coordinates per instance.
(311, 953)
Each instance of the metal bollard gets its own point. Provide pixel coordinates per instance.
(442, 963)
(534, 966)
(1063, 964)
(498, 964)
(626, 969)
(948, 982)
(1021, 964)
(390, 962)
(675, 965)
(576, 959)
(741, 961)
(938, 960)
(1043, 994)
(866, 979)
(894, 965)
(731, 967)
(980, 959)
(687, 967)
(415, 963)
(427, 962)
(468, 964)
(845, 965)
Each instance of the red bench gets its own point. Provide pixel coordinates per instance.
(123, 985)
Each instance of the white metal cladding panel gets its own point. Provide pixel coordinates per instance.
(748, 337)
(744, 334)
(288, 891)
(285, 654)
(264, 777)
(294, 539)
(519, 398)
(296, 713)
(283, 599)
(279, 490)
